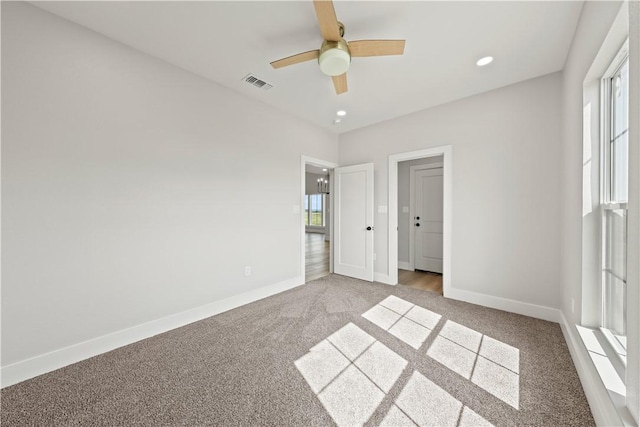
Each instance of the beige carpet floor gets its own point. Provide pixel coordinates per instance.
(335, 351)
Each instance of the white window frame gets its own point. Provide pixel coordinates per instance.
(606, 203)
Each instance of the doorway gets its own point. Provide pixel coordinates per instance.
(420, 190)
(431, 240)
(316, 245)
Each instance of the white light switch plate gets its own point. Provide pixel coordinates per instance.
(405, 209)
(382, 209)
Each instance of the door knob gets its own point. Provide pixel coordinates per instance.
(417, 224)
(369, 228)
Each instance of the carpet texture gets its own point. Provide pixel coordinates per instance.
(308, 357)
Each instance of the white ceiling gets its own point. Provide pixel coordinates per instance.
(224, 41)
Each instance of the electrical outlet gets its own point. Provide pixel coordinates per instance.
(247, 270)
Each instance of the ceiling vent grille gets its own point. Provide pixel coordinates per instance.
(255, 81)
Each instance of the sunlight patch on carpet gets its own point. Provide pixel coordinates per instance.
(351, 372)
(406, 321)
(424, 403)
(487, 362)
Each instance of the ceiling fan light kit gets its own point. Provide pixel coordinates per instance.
(334, 58)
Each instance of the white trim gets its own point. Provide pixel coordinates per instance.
(304, 160)
(426, 166)
(383, 278)
(603, 410)
(402, 265)
(331, 224)
(412, 207)
(447, 152)
(38, 365)
(504, 304)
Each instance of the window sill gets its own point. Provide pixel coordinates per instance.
(607, 372)
(618, 349)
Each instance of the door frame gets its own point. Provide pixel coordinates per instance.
(412, 204)
(304, 161)
(447, 181)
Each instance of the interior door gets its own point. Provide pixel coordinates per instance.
(427, 223)
(353, 221)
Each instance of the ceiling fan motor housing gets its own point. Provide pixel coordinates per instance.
(335, 57)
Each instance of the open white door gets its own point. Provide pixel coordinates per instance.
(353, 221)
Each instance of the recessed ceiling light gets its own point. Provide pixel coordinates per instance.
(484, 61)
(341, 113)
(336, 121)
(324, 169)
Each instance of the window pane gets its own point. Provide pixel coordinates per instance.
(316, 209)
(620, 169)
(615, 296)
(621, 100)
(615, 271)
(619, 147)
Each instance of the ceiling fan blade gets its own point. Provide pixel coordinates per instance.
(296, 59)
(376, 47)
(327, 19)
(340, 83)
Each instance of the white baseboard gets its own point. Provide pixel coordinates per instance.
(602, 407)
(403, 265)
(383, 278)
(316, 230)
(504, 304)
(38, 365)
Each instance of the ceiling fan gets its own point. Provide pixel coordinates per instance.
(334, 55)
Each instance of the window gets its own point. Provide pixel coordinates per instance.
(618, 149)
(615, 179)
(314, 210)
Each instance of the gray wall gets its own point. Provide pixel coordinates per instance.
(312, 182)
(130, 187)
(506, 169)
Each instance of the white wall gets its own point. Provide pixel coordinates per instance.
(595, 23)
(505, 185)
(130, 187)
(404, 199)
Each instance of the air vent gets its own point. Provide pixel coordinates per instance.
(255, 81)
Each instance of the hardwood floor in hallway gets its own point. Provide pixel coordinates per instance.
(421, 280)
(316, 256)
(317, 265)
